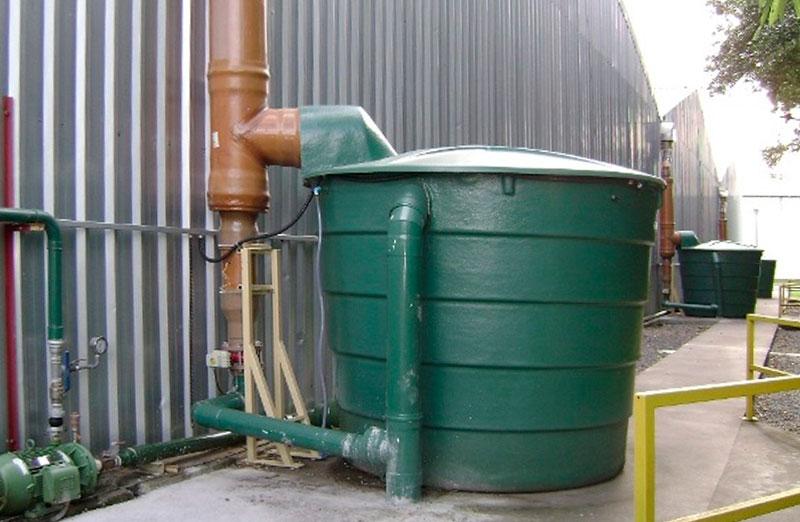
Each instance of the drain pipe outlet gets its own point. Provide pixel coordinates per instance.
(403, 410)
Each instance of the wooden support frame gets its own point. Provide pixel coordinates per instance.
(256, 387)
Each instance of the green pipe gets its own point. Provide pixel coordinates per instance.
(55, 326)
(369, 448)
(403, 410)
(690, 306)
(55, 322)
(331, 416)
(398, 448)
(147, 453)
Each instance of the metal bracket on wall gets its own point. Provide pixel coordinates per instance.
(273, 402)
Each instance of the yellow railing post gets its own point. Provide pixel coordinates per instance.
(644, 459)
(645, 405)
(750, 413)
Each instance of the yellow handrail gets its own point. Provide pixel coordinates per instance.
(644, 408)
(752, 368)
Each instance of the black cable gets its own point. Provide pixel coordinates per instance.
(216, 381)
(239, 244)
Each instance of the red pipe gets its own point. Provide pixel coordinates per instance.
(12, 441)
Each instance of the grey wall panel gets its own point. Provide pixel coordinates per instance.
(561, 75)
(128, 123)
(3, 83)
(696, 185)
(32, 355)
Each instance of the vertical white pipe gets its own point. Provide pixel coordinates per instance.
(211, 287)
(109, 212)
(48, 107)
(48, 138)
(186, 208)
(161, 175)
(136, 217)
(14, 56)
(80, 213)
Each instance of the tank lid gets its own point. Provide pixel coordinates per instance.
(726, 246)
(483, 159)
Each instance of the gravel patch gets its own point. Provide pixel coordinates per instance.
(662, 337)
(782, 410)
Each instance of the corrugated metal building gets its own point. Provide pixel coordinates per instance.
(696, 184)
(111, 132)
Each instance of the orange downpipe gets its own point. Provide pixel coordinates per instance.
(666, 217)
(246, 136)
(723, 216)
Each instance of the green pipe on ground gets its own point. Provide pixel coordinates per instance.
(147, 453)
(403, 409)
(222, 413)
(55, 321)
(712, 308)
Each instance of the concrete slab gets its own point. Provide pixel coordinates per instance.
(706, 458)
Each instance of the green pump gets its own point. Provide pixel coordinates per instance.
(42, 482)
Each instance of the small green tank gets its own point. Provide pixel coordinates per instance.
(766, 279)
(724, 273)
(535, 277)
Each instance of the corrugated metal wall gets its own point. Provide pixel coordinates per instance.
(696, 185)
(3, 84)
(112, 128)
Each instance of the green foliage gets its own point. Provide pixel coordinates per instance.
(761, 45)
(773, 10)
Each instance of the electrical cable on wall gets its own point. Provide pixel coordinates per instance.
(319, 358)
(239, 244)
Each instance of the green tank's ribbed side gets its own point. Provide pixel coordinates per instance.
(720, 273)
(766, 279)
(532, 301)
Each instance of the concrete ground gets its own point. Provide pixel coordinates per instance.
(707, 457)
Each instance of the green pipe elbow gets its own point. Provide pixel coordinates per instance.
(55, 326)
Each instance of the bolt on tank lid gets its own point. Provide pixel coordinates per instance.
(494, 160)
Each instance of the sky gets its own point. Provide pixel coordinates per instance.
(676, 37)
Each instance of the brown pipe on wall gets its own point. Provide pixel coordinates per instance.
(723, 215)
(666, 216)
(246, 136)
(237, 183)
(237, 84)
(273, 135)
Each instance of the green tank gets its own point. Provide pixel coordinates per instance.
(724, 273)
(535, 275)
(766, 279)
